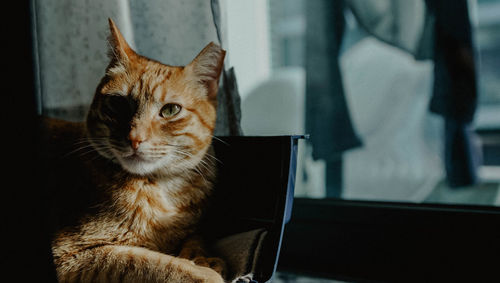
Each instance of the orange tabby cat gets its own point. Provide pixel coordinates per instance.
(145, 161)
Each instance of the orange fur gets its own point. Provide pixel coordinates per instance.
(147, 177)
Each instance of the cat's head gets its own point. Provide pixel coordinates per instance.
(150, 117)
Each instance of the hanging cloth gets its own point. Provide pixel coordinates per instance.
(327, 116)
(455, 92)
(441, 31)
(228, 97)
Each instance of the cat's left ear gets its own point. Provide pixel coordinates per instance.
(207, 66)
(120, 52)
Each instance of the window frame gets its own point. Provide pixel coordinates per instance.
(391, 241)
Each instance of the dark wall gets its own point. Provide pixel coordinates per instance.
(26, 249)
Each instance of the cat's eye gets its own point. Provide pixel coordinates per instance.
(115, 105)
(170, 110)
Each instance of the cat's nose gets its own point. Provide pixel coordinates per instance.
(135, 143)
(135, 140)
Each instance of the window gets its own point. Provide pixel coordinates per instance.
(401, 158)
(391, 216)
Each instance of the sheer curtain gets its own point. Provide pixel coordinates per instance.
(71, 47)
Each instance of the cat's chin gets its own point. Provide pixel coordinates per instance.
(138, 165)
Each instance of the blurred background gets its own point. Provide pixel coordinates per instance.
(387, 91)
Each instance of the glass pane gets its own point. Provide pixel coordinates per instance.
(487, 26)
(387, 91)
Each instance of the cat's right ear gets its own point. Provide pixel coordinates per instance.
(120, 52)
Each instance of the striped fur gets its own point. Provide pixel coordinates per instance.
(154, 191)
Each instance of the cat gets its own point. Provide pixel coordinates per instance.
(141, 168)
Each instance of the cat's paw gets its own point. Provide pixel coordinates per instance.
(208, 275)
(214, 263)
(243, 279)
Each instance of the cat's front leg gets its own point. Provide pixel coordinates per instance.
(194, 249)
(130, 264)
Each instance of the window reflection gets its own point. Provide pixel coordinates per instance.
(387, 92)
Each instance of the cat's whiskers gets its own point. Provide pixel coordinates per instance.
(216, 138)
(88, 147)
(212, 158)
(77, 150)
(205, 168)
(95, 144)
(92, 149)
(193, 165)
(92, 145)
(195, 168)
